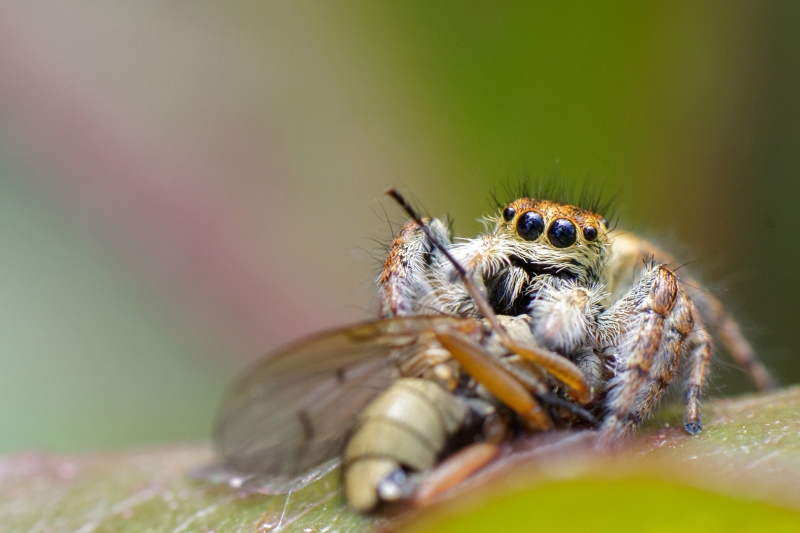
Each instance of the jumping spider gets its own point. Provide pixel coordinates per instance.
(606, 300)
(548, 320)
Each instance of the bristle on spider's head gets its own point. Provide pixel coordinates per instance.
(586, 195)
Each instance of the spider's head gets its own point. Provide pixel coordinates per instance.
(546, 237)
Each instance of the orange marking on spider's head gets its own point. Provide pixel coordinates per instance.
(529, 218)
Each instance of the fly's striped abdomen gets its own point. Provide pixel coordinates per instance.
(407, 426)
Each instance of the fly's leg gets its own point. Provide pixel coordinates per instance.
(403, 279)
(520, 340)
(453, 471)
(649, 354)
(558, 366)
(495, 378)
(484, 421)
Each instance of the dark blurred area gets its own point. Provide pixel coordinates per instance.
(187, 185)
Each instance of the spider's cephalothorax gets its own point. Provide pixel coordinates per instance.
(606, 300)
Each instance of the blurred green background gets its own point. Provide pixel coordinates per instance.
(186, 185)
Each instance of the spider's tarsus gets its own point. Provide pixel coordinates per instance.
(693, 428)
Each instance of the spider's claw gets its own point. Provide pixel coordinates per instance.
(693, 428)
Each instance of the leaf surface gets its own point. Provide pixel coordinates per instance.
(742, 473)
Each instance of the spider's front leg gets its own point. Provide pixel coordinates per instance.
(652, 325)
(404, 276)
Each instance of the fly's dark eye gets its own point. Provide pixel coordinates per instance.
(508, 213)
(562, 233)
(530, 225)
(590, 233)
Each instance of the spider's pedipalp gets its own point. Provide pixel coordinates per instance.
(564, 313)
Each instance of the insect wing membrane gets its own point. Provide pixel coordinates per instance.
(295, 409)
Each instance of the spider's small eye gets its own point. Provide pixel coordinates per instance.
(530, 225)
(508, 213)
(590, 233)
(562, 233)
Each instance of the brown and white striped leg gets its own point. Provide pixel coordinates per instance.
(728, 331)
(677, 332)
(629, 250)
(403, 279)
(700, 357)
(654, 298)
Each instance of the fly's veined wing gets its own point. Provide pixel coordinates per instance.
(295, 409)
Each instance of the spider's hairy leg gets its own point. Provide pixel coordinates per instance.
(700, 357)
(678, 334)
(729, 332)
(403, 279)
(627, 253)
(648, 352)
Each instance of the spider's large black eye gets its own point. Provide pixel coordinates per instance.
(530, 225)
(508, 213)
(562, 233)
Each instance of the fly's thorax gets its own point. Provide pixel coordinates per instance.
(432, 362)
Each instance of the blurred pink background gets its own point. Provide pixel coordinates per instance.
(185, 186)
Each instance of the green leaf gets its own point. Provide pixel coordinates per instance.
(150, 491)
(618, 505)
(742, 473)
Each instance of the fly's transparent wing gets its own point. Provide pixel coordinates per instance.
(294, 410)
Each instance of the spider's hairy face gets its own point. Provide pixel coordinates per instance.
(535, 245)
(538, 245)
(546, 237)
